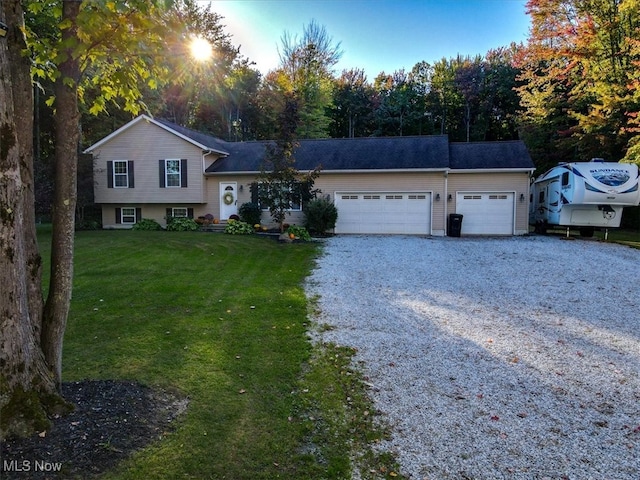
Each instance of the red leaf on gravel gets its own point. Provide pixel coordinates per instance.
(495, 418)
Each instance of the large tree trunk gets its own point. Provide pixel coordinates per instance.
(67, 121)
(27, 386)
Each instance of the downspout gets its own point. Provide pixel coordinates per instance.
(445, 199)
(204, 190)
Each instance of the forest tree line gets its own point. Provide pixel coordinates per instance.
(571, 92)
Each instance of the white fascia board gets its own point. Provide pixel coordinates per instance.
(187, 139)
(117, 132)
(322, 172)
(390, 170)
(151, 120)
(492, 170)
(215, 174)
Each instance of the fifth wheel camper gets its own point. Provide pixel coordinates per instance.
(584, 195)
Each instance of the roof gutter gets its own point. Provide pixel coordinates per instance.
(387, 170)
(492, 170)
(204, 154)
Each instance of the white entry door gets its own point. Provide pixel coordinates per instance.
(228, 199)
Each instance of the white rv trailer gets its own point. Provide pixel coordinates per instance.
(585, 195)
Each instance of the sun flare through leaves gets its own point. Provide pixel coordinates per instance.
(201, 50)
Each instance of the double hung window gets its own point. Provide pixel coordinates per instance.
(172, 173)
(285, 192)
(120, 174)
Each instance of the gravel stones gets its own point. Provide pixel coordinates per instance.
(493, 357)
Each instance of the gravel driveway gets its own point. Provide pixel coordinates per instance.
(515, 358)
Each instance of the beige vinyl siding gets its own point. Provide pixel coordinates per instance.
(329, 183)
(212, 187)
(145, 143)
(152, 211)
(494, 182)
(433, 182)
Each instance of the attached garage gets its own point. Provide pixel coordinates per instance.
(383, 212)
(486, 213)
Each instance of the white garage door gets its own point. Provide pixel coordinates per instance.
(383, 212)
(486, 213)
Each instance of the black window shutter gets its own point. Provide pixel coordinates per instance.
(118, 216)
(109, 174)
(183, 173)
(161, 173)
(169, 213)
(254, 193)
(130, 172)
(190, 212)
(138, 214)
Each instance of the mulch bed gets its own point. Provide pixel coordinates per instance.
(111, 420)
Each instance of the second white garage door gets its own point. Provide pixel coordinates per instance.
(486, 213)
(383, 212)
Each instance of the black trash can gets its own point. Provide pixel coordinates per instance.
(455, 225)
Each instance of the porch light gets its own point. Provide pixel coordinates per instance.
(3, 29)
(522, 197)
(449, 198)
(437, 197)
(241, 187)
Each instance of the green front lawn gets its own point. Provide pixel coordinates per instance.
(625, 237)
(630, 238)
(221, 319)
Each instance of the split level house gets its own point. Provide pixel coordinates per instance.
(151, 168)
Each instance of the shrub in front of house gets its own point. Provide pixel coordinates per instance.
(320, 215)
(147, 224)
(182, 224)
(300, 233)
(237, 227)
(250, 213)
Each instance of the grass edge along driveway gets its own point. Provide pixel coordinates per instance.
(224, 321)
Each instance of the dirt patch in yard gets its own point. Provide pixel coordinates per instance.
(112, 419)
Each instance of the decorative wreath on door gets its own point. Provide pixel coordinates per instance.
(227, 198)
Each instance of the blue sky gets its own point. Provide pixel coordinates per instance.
(376, 35)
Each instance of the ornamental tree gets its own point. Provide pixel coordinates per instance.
(280, 185)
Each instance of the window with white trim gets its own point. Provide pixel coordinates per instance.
(121, 174)
(294, 206)
(128, 215)
(179, 212)
(172, 173)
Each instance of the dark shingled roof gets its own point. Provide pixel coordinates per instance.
(202, 138)
(490, 155)
(368, 153)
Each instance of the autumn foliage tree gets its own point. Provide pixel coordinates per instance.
(579, 77)
(280, 184)
(112, 48)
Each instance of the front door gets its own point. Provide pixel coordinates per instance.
(228, 199)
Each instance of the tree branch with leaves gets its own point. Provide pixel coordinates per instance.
(280, 184)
